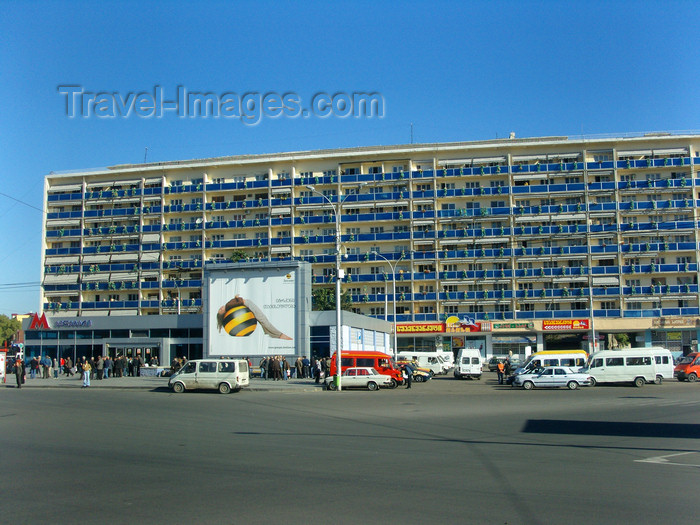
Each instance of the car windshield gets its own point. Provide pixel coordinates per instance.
(686, 360)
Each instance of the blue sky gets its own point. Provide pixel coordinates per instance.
(456, 70)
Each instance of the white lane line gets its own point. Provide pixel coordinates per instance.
(661, 460)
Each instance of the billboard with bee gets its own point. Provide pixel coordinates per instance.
(257, 309)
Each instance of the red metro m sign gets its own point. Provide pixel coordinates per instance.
(39, 323)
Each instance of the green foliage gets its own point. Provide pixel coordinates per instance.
(237, 255)
(323, 299)
(623, 340)
(8, 327)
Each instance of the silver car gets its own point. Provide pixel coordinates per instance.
(551, 377)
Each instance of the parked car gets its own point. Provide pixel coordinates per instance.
(360, 377)
(493, 363)
(688, 368)
(551, 377)
(418, 374)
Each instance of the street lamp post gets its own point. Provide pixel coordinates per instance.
(590, 307)
(338, 339)
(393, 278)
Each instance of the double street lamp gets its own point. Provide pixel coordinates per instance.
(393, 278)
(338, 277)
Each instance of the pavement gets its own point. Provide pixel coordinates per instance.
(151, 383)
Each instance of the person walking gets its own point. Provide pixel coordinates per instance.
(100, 367)
(19, 371)
(317, 371)
(299, 367)
(46, 367)
(33, 366)
(263, 368)
(285, 368)
(87, 368)
(500, 369)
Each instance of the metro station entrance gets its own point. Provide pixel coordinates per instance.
(148, 351)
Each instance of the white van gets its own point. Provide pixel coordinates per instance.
(468, 363)
(430, 361)
(664, 363)
(631, 365)
(213, 373)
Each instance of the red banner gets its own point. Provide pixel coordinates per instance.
(566, 324)
(420, 328)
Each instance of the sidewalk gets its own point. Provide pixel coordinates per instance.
(150, 383)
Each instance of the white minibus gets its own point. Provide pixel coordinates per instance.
(224, 375)
(431, 361)
(469, 364)
(631, 365)
(664, 363)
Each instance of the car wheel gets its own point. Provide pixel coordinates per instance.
(224, 388)
(394, 383)
(593, 381)
(178, 388)
(659, 380)
(573, 385)
(419, 379)
(372, 386)
(332, 386)
(639, 382)
(527, 385)
(692, 377)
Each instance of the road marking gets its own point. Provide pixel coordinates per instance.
(661, 460)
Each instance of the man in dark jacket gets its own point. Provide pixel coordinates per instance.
(19, 371)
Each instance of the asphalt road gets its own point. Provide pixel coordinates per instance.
(447, 451)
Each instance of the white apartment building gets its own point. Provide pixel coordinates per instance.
(516, 238)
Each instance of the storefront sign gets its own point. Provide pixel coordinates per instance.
(503, 326)
(72, 323)
(420, 328)
(478, 327)
(39, 323)
(566, 324)
(668, 322)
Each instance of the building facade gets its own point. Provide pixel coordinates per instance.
(515, 238)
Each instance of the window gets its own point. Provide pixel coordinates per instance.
(615, 361)
(227, 367)
(638, 361)
(207, 367)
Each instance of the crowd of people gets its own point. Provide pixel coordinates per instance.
(277, 368)
(94, 368)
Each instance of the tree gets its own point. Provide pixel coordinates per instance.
(323, 299)
(8, 328)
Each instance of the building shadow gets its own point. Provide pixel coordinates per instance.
(612, 428)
